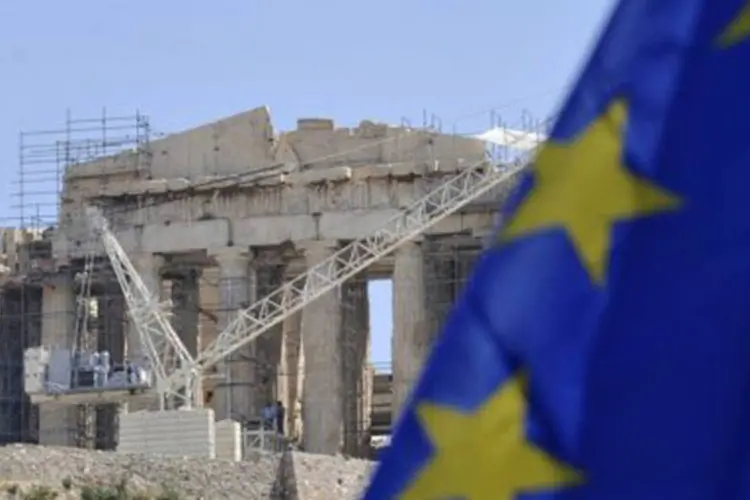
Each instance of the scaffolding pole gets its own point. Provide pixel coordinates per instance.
(45, 157)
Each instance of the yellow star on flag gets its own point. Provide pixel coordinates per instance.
(584, 188)
(738, 30)
(485, 455)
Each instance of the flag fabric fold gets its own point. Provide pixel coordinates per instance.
(601, 348)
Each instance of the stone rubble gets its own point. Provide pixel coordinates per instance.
(322, 477)
(263, 476)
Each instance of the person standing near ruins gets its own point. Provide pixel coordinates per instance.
(280, 415)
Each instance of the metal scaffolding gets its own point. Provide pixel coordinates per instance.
(448, 265)
(44, 159)
(20, 327)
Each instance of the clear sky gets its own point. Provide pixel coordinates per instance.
(188, 62)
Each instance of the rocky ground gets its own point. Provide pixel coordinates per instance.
(320, 477)
(44, 473)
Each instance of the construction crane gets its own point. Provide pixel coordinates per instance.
(83, 375)
(164, 353)
(176, 376)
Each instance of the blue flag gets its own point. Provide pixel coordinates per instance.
(601, 349)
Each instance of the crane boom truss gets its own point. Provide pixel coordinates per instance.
(263, 315)
(163, 348)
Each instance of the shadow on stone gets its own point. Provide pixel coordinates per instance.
(285, 486)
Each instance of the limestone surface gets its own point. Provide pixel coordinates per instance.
(291, 476)
(324, 477)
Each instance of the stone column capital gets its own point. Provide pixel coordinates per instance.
(308, 245)
(60, 279)
(317, 250)
(411, 247)
(228, 256)
(147, 261)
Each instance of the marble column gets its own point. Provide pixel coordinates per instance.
(111, 322)
(297, 430)
(323, 386)
(365, 372)
(234, 396)
(354, 350)
(288, 377)
(149, 268)
(440, 285)
(186, 309)
(268, 346)
(410, 337)
(58, 424)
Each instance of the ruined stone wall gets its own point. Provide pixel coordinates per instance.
(247, 141)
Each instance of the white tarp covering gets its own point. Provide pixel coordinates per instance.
(518, 139)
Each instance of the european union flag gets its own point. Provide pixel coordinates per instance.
(602, 347)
